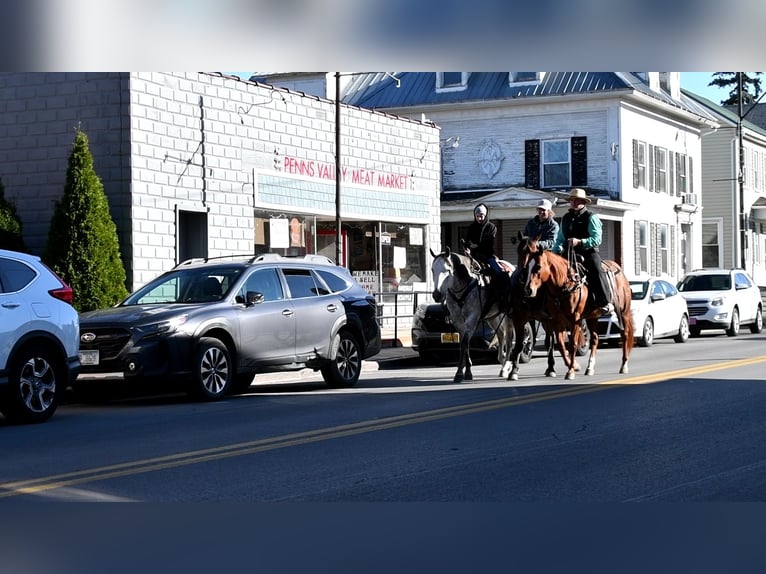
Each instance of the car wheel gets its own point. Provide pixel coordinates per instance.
(647, 333)
(733, 329)
(212, 371)
(528, 346)
(32, 394)
(757, 326)
(683, 331)
(346, 364)
(583, 349)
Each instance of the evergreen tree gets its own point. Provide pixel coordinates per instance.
(751, 86)
(10, 224)
(82, 241)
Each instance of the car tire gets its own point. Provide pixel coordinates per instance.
(757, 325)
(683, 330)
(528, 347)
(35, 383)
(583, 349)
(733, 329)
(647, 333)
(345, 365)
(212, 370)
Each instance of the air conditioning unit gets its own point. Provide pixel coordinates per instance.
(689, 198)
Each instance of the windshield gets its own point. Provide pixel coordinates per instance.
(705, 283)
(638, 289)
(202, 285)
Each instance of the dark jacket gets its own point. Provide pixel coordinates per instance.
(580, 225)
(480, 239)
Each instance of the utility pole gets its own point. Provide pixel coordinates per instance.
(338, 234)
(742, 215)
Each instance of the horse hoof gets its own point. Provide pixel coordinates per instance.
(624, 369)
(551, 374)
(588, 372)
(457, 379)
(469, 377)
(570, 375)
(514, 377)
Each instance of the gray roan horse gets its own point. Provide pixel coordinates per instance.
(465, 295)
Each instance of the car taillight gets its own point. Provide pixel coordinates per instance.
(64, 293)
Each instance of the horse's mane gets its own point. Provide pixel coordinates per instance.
(460, 264)
(559, 264)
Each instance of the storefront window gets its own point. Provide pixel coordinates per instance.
(285, 234)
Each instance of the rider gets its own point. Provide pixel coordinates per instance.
(479, 243)
(543, 225)
(580, 230)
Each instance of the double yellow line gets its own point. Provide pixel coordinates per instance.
(75, 478)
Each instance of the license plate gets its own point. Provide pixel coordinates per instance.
(89, 357)
(692, 321)
(450, 337)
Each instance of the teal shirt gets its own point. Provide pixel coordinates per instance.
(592, 241)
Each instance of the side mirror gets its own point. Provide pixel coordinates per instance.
(255, 297)
(658, 297)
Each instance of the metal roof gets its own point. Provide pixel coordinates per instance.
(391, 90)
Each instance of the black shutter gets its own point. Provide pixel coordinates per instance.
(635, 164)
(532, 164)
(579, 162)
(690, 178)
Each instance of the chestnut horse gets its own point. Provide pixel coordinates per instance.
(526, 310)
(565, 299)
(466, 297)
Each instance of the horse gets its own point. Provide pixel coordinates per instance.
(565, 299)
(525, 310)
(466, 296)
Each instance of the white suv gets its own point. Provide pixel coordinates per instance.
(39, 338)
(722, 299)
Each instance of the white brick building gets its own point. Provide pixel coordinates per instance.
(201, 164)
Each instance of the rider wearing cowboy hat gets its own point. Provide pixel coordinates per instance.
(580, 230)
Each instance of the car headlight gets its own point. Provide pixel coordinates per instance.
(718, 301)
(162, 327)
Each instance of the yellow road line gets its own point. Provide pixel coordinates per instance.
(36, 485)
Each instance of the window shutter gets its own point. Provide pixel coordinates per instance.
(654, 248)
(636, 245)
(635, 164)
(690, 177)
(672, 249)
(579, 161)
(672, 187)
(650, 168)
(532, 164)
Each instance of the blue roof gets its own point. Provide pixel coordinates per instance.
(405, 89)
(380, 90)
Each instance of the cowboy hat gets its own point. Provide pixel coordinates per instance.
(578, 193)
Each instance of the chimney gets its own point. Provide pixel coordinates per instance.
(671, 83)
(653, 81)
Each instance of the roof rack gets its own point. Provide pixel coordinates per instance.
(313, 257)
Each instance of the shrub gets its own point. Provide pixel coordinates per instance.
(82, 240)
(10, 224)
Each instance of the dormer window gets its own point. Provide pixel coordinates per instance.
(451, 81)
(525, 77)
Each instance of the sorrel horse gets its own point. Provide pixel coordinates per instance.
(527, 310)
(566, 301)
(466, 295)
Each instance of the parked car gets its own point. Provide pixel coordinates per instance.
(39, 338)
(213, 324)
(722, 299)
(658, 311)
(433, 335)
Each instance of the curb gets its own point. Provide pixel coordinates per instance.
(303, 374)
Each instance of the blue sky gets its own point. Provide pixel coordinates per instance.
(697, 82)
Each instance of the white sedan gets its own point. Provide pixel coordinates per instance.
(658, 311)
